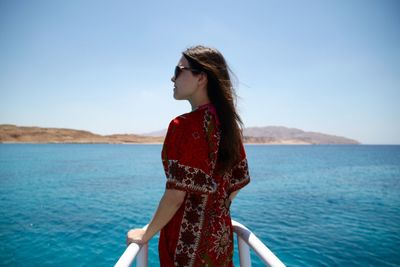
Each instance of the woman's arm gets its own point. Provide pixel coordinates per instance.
(233, 195)
(169, 204)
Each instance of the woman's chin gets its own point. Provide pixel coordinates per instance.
(177, 97)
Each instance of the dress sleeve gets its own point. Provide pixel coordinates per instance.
(189, 156)
(240, 173)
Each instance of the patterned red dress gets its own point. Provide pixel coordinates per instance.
(200, 232)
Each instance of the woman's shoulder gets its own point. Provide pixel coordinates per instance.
(195, 118)
(180, 121)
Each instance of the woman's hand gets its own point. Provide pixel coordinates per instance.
(170, 202)
(136, 236)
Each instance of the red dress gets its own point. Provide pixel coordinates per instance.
(200, 232)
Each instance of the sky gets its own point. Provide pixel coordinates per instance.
(328, 66)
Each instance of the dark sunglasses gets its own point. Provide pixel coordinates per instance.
(179, 69)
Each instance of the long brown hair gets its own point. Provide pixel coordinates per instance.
(223, 96)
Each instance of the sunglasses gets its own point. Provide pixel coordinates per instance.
(179, 69)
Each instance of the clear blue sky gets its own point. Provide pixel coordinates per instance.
(105, 66)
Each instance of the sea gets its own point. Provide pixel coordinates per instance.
(311, 205)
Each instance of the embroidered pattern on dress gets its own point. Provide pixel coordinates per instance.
(196, 135)
(207, 120)
(189, 177)
(190, 231)
(240, 174)
(222, 239)
(224, 205)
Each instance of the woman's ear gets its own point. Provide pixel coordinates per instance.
(203, 79)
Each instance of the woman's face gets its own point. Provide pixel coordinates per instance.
(186, 84)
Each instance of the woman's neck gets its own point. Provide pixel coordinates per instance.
(199, 98)
(196, 104)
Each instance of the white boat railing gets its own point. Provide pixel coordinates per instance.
(246, 240)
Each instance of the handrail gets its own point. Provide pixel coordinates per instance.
(262, 251)
(131, 252)
(246, 240)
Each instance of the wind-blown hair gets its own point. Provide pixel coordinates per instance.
(223, 96)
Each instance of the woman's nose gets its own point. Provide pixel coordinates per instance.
(173, 79)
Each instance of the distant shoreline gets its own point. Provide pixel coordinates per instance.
(269, 135)
(250, 144)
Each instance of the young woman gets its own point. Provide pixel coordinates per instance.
(205, 164)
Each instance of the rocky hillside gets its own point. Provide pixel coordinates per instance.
(16, 134)
(283, 135)
(260, 135)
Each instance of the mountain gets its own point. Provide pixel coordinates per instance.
(284, 135)
(260, 135)
(156, 133)
(15, 134)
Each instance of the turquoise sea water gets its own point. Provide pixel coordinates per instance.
(71, 205)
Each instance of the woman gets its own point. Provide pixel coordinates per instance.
(205, 164)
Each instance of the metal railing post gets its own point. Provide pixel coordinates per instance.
(244, 253)
(265, 255)
(246, 240)
(142, 257)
